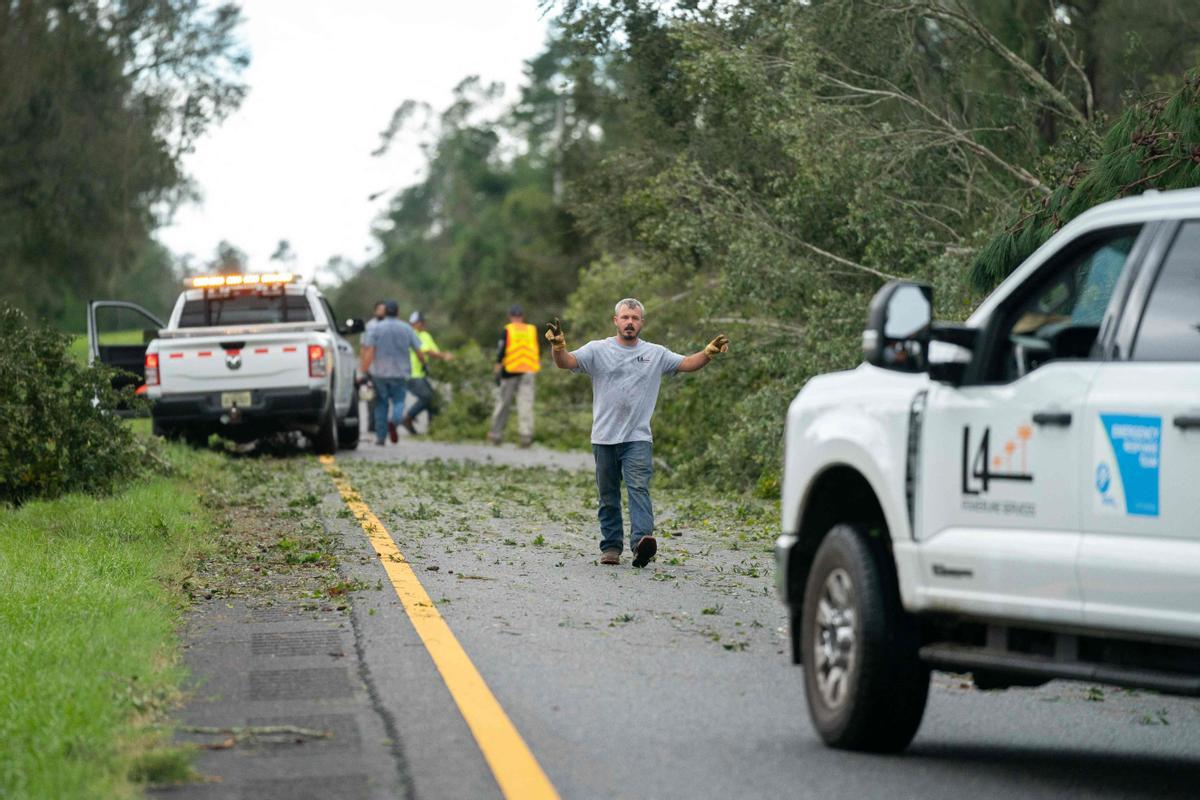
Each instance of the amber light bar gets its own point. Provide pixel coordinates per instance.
(223, 281)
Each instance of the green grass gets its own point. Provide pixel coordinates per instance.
(90, 594)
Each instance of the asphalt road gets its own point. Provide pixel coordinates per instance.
(673, 682)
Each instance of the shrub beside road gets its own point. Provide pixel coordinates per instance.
(58, 434)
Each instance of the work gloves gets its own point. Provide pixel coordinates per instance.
(717, 345)
(554, 335)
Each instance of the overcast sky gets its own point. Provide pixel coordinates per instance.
(294, 162)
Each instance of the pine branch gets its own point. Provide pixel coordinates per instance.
(1155, 144)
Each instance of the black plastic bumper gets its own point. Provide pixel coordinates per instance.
(269, 408)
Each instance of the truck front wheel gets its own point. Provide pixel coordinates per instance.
(865, 685)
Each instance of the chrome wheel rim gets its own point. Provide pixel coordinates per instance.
(835, 640)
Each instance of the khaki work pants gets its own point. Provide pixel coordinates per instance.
(522, 388)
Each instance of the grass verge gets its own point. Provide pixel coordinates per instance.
(89, 599)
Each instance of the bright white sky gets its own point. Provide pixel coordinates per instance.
(294, 162)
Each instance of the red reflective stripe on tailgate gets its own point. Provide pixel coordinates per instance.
(175, 355)
(289, 349)
(204, 353)
(260, 349)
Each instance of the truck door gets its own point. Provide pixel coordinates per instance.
(1140, 561)
(1001, 456)
(118, 333)
(344, 362)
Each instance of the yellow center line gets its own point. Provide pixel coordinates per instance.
(513, 765)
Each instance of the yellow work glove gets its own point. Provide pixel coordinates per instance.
(554, 335)
(717, 345)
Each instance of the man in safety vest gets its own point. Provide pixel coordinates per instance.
(518, 360)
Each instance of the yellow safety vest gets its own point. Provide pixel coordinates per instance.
(521, 348)
(428, 346)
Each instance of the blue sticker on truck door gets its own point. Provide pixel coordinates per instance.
(1128, 452)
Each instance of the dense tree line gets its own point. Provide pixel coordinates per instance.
(761, 167)
(98, 103)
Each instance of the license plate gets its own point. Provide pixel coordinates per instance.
(230, 399)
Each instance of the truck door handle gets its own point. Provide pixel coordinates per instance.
(1186, 421)
(1061, 419)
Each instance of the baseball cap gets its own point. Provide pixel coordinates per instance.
(391, 308)
(516, 310)
(415, 317)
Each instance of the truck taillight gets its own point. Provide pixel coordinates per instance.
(152, 369)
(316, 361)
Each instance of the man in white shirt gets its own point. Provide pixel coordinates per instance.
(626, 374)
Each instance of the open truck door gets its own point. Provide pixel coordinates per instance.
(118, 334)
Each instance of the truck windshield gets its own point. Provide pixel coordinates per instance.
(245, 309)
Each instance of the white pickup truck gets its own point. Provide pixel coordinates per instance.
(1014, 497)
(242, 356)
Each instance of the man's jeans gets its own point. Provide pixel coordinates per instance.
(388, 389)
(633, 463)
(423, 391)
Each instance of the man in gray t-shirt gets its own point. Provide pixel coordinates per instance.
(626, 373)
(385, 358)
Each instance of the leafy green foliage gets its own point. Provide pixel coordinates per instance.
(99, 103)
(58, 432)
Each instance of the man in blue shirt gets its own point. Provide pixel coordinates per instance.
(385, 358)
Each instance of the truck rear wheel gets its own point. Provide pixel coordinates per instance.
(865, 685)
(198, 439)
(325, 441)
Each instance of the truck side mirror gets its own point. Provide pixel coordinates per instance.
(351, 326)
(897, 332)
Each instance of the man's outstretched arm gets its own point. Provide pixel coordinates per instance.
(558, 346)
(700, 360)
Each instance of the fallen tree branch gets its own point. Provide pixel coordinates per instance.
(951, 130)
(761, 217)
(243, 733)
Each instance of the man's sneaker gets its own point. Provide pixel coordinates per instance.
(526, 442)
(493, 439)
(407, 422)
(610, 557)
(393, 434)
(646, 548)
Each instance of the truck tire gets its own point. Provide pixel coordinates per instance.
(194, 438)
(348, 431)
(865, 685)
(325, 441)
